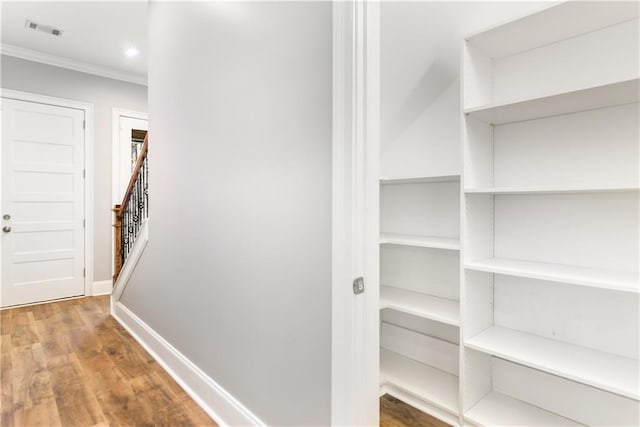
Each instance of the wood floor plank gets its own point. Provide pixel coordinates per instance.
(5, 322)
(55, 345)
(118, 399)
(395, 413)
(23, 330)
(44, 311)
(6, 385)
(78, 405)
(30, 378)
(65, 369)
(45, 413)
(70, 363)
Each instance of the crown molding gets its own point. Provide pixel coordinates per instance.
(59, 61)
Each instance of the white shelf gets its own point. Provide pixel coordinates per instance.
(420, 241)
(497, 409)
(419, 179)
(591, 277)
(606, 371)
(434, 386)
(551, 190)
(422, 305)
(563, 21)
(609, 95)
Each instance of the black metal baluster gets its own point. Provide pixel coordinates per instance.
(135, 211)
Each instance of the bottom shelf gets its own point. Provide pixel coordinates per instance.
(497, 409)
(431, 385)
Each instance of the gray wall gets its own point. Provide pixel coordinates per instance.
(105, 94)
(237, 272)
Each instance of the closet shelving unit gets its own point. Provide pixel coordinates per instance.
(550, 211)
(419, 293)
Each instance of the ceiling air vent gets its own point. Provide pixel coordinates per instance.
(44, 28)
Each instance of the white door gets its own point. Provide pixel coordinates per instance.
(42, 202)
(127, 125)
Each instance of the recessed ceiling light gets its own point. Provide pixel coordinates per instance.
(131, 52)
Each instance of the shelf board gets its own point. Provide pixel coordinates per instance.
(497, 409)
(434, 386)
(582, 276)
(560, 22)
(419, 179)
(422, 305)
(551, 190)
(592, 98)
(420, 241)
(606, 371)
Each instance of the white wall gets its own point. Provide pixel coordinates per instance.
(237, 271)
(420, 60)
(104, 94)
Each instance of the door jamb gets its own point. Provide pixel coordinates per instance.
(355, 211)
(88, 167)
(115, 143)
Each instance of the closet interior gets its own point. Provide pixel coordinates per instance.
(509, 228)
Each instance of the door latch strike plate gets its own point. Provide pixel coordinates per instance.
(358, 285)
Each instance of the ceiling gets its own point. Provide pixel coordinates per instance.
(95, 37)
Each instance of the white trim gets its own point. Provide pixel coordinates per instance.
(370, 210)
(88, 166)
(71, 64)
(355, 192)
(132, 261)
(343, 377)
(102, 287)
(209, 395)
(116, 114)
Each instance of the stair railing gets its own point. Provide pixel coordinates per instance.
(134, 209)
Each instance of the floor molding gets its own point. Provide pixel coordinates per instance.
(101, 287)
(132, 261)
(212, 398)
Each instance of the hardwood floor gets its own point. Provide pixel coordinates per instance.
(69, 363)
(394, 413)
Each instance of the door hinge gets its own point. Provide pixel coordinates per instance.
(84, 173)
(84, 272)
(84, 124)
(84, 223)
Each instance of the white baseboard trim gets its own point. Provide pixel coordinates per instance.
(132, 261)
(102, 287)
(211, 397)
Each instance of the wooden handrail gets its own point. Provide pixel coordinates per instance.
(119, 209)
(119, 252)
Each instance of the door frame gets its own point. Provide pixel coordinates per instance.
(355, 341)
(88, 167)
(116, 114)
